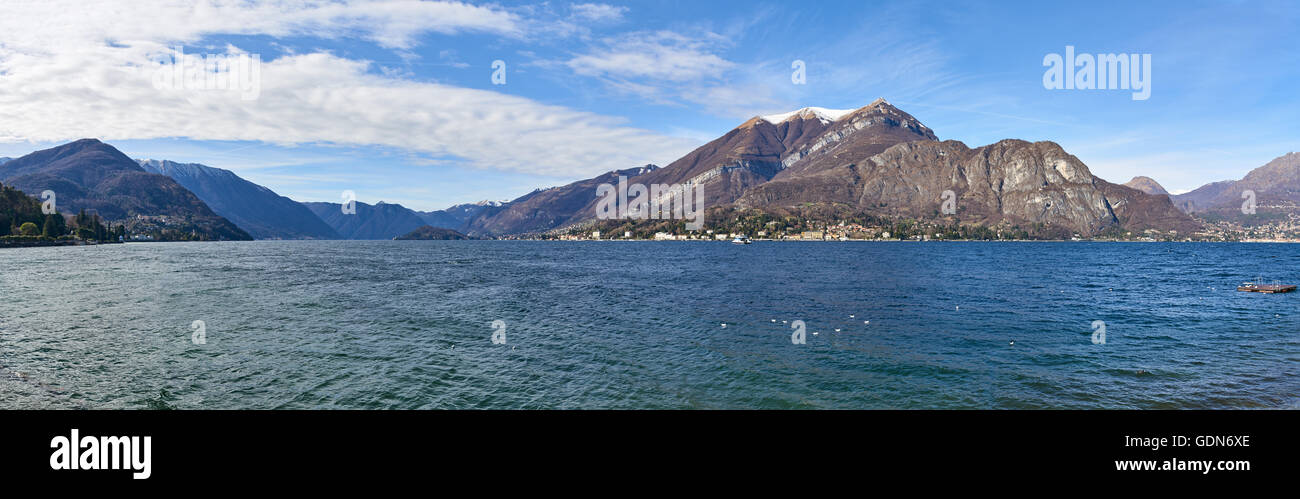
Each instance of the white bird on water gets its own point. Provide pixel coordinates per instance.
(724, 325)
(837, 330)
(1013, 342)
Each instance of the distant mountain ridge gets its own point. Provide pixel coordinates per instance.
(256, 209)
(875, 160)
(378, 221)
(91, 175)
(545, 209)
(1276, 187)
(458, 217)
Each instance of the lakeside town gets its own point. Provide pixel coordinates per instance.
(1285, 229)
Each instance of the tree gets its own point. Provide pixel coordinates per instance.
(28, 229)
(54, 226)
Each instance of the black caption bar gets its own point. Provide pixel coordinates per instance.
(149, 448)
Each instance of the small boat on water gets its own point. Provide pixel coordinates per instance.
(741, 240)
(1266, 288)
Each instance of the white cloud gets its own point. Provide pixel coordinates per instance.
(71, 69)
(598, 12)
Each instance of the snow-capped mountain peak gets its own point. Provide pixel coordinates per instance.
(821, 113)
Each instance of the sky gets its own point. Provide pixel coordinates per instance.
(431, 104)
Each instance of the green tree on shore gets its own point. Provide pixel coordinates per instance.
(54, 226)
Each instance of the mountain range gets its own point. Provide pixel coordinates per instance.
(212, 202)
(458, 217)
(90, 175)
(371, 221)
(875, 160)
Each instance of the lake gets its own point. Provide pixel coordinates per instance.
(596, 325)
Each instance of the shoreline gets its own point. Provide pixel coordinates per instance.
(1280, 241)
(41, 244)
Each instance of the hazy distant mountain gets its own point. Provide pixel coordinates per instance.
(545, 209)
(91, 175)
(430, 233)
(1276, 186)
(1199, 199)
(459, 217)
(4, 160)
(876, 159)
(1147, 185)
(256, 209)
(378, 221)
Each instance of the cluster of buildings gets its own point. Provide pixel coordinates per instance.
(1287, 230)
(841, 232)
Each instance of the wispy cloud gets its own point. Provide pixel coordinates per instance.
(661, 56)
(53, 25)
(674, 69)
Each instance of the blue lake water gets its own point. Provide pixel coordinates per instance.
(408, 325)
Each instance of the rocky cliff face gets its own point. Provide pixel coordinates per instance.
(1013, 181)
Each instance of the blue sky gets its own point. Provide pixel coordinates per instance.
(395, 100)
